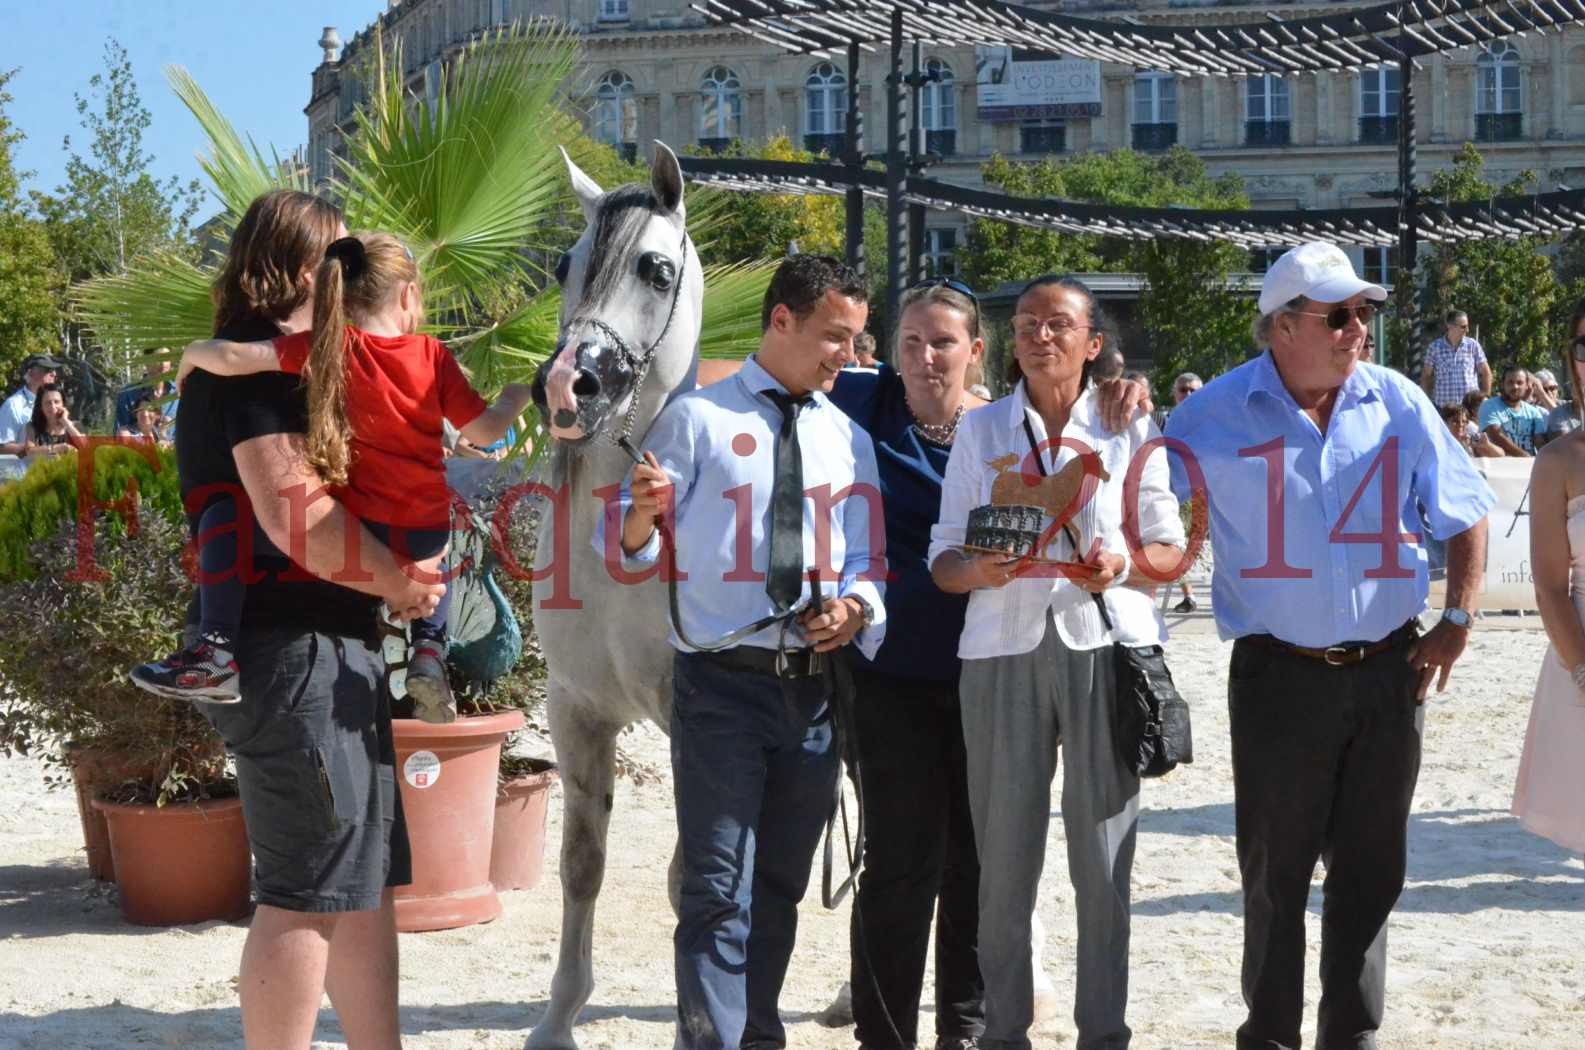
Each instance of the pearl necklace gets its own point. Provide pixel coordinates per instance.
(935, 433)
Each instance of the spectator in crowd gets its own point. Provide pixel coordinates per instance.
(1182, 387)
(1455, 364)
(1508, 419)
(1470, 437)
(150, 424)
(1543, 392)
(1367, 349)
(1109, 364)
(17, 410)
(50, 430)
(1565, 416)
(864, 350)
(154, 388)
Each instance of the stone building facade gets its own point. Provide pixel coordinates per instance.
(654, 70)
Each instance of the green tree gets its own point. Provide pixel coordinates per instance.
(1189, 311)
(31, 285)
(754, 226)
(1509, 288)
(111, 210)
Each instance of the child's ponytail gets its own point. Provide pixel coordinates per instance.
(329, 428)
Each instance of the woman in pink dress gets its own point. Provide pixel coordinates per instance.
(1549, 798)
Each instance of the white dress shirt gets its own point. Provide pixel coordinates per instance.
(15, 413)
(1009, 620)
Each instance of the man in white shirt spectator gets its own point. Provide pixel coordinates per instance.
(1455, 364)
(17, 409)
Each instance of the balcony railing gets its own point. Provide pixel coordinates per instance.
(1499, 127)
(1042, 139)
(1267, 132)
(1155, 136)
(830, 143)
(941, 143)
(1378, 131)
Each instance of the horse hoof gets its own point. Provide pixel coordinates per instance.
(840, 1013)
(547, 1039)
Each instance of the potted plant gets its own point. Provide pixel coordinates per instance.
(80, 615)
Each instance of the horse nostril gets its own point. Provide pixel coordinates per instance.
(587, 384)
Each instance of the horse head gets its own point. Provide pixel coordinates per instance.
(631, 304)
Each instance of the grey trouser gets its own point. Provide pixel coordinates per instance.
(1015, 711)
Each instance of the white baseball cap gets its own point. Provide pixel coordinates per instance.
(1318, 271)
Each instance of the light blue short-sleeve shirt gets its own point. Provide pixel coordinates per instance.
(1317, 535)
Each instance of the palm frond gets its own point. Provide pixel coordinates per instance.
(733, 296)
(238, 171)
(162, 301)
(467, 176)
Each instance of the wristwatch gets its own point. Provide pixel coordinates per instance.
(869, 610)
(1458, 617)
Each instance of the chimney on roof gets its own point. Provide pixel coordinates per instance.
(330, 41)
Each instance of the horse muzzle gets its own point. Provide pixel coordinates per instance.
(578, 389)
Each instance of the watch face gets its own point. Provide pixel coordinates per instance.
(1457, 617)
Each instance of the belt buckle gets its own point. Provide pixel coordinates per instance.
(1337, 655)
(810, 661)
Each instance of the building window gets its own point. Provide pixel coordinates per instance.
(1267, 111)
(616, 114)
(941, 246)
(940, 109)
(825, 110)
(1260, 259)
(1379, 92)
(1378, 265)
(720, 109)
(1497, 105)
(1155, 110)
(614, 10)
(1043, 136)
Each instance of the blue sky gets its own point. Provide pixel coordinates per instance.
(253, 57)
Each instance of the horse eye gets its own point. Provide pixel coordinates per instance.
(656, 270)
(562, 266)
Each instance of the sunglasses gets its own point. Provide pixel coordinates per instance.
(953, 284)
(1338, 317)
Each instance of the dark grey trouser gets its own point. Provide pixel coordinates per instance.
(1325, 761)
(1015, 710)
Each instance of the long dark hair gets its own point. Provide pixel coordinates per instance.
(1574, 322)
(1098, 322)
(282, 238)
(39, 424)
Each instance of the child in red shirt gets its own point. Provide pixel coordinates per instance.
(377, 395)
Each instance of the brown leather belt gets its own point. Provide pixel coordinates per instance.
(1346, 654)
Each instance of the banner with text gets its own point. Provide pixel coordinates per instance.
(1510, 583)
(1021, 85)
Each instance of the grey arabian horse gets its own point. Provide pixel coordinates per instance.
(632, 292)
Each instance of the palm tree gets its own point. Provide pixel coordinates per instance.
(473, 183)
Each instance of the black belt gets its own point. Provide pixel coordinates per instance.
(792, 663)
(1345, 654)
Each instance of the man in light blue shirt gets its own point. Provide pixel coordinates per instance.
(1318, 473)
(17, 410)
(753, 765)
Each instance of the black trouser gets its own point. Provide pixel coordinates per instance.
(1324, 766)
(919, 860)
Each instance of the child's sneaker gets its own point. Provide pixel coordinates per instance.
(427, 685)
(201, 673)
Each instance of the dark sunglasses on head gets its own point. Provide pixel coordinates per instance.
(1338, 317)
(1579, 348)
(955, 285)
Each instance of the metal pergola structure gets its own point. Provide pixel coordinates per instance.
(1394, 34)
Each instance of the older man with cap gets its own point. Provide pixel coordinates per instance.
(1323, 592)
(17, 410)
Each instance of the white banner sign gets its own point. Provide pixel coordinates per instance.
(1044, 88)
(1509, 581)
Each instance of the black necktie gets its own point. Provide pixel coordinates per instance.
(784, 582)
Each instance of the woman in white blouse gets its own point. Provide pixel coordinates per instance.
(1037, 663)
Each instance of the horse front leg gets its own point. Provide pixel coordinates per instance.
(586, 754)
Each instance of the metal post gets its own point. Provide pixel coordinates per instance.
(916, 166)
(1407, 302)
(896, 173)
(855, 162)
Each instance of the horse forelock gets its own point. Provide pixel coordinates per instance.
(619, 226)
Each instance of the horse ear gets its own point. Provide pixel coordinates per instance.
(666, 178)
(584, 188)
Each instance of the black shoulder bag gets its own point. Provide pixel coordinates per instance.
(1150, 719)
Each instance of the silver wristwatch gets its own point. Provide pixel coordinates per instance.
(1458, 617)
(869, 610)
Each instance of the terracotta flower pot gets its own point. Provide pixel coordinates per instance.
(184, 863)
(93, 770)
(517, 853)
(447, 775)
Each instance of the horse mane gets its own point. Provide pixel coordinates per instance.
(623, 216)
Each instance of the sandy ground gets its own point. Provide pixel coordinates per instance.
(1485, 948)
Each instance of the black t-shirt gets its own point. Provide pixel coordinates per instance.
(215, 415)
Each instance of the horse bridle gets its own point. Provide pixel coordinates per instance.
(637, 363)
